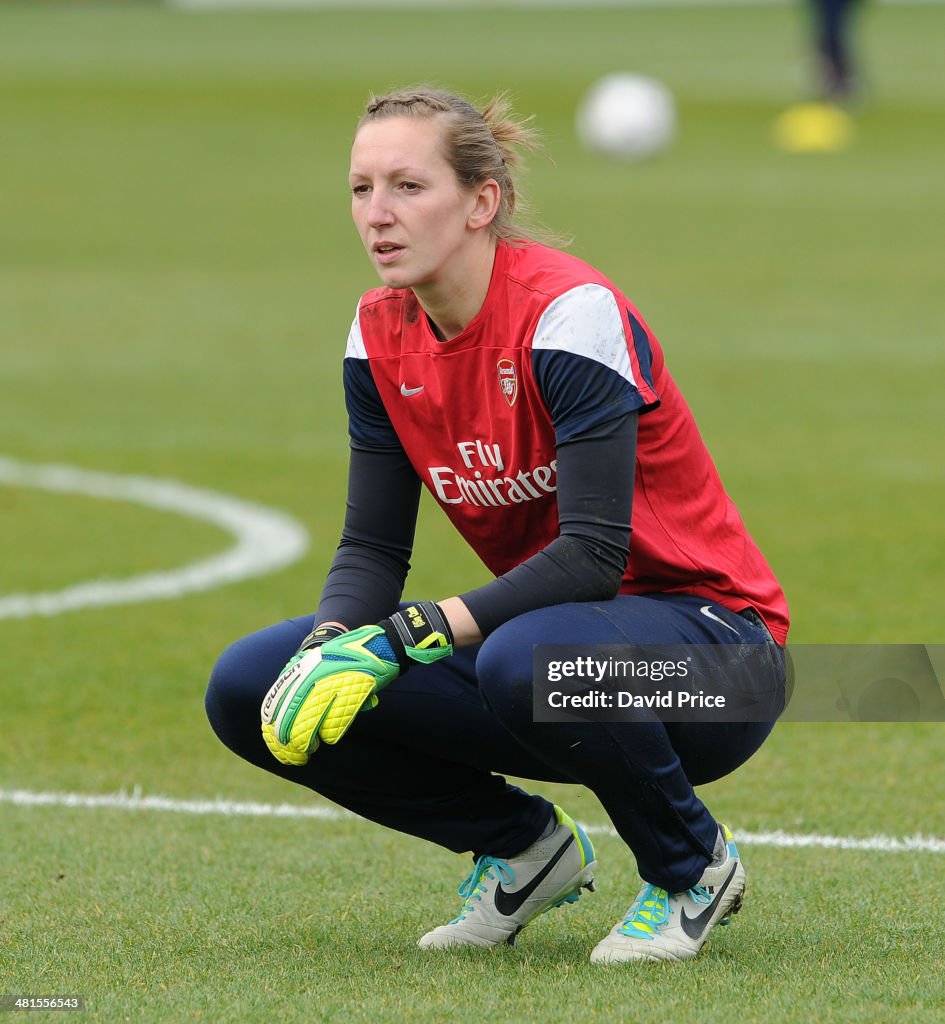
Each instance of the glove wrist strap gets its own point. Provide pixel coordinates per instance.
(318, 636)
(419, 633)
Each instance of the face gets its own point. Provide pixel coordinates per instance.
(414, 219)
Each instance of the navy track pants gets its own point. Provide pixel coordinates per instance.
(429, 760)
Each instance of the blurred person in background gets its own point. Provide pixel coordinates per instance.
(832, 26)
(824, 124)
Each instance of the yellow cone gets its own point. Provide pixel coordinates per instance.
(813, 128)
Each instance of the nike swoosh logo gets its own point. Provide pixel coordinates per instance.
(695, 926)
(407, 392)
(706, 610)
(509, 903)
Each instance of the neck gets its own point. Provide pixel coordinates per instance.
(454, 299)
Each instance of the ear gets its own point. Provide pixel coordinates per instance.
(488, 197)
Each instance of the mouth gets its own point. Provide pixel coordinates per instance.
(386, 252)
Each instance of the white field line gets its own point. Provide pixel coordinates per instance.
(136, 801)
(265, 539)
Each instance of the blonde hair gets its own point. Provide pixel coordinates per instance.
(477, 145)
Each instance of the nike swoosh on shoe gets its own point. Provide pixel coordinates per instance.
(509, 903)
(695, 926)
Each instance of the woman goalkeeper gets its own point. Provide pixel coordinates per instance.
(527, 394)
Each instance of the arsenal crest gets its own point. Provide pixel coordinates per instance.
(508, 380)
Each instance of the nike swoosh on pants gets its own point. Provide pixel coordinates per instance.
(706, 610)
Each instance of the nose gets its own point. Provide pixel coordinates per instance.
(379, 209)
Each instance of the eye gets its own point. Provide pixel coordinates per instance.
(360, 190)
(411, 186)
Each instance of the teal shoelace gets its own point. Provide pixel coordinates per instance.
(473, 885)
(651, 911)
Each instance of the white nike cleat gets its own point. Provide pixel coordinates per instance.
(502, 896)
(675, 926)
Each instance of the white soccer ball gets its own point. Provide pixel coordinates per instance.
(627, 116)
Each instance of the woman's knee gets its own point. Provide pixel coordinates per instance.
(245, 671)
(232, 700)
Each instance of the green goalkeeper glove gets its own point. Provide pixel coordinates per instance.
(322, 689)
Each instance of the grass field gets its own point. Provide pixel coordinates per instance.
(177, 277)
